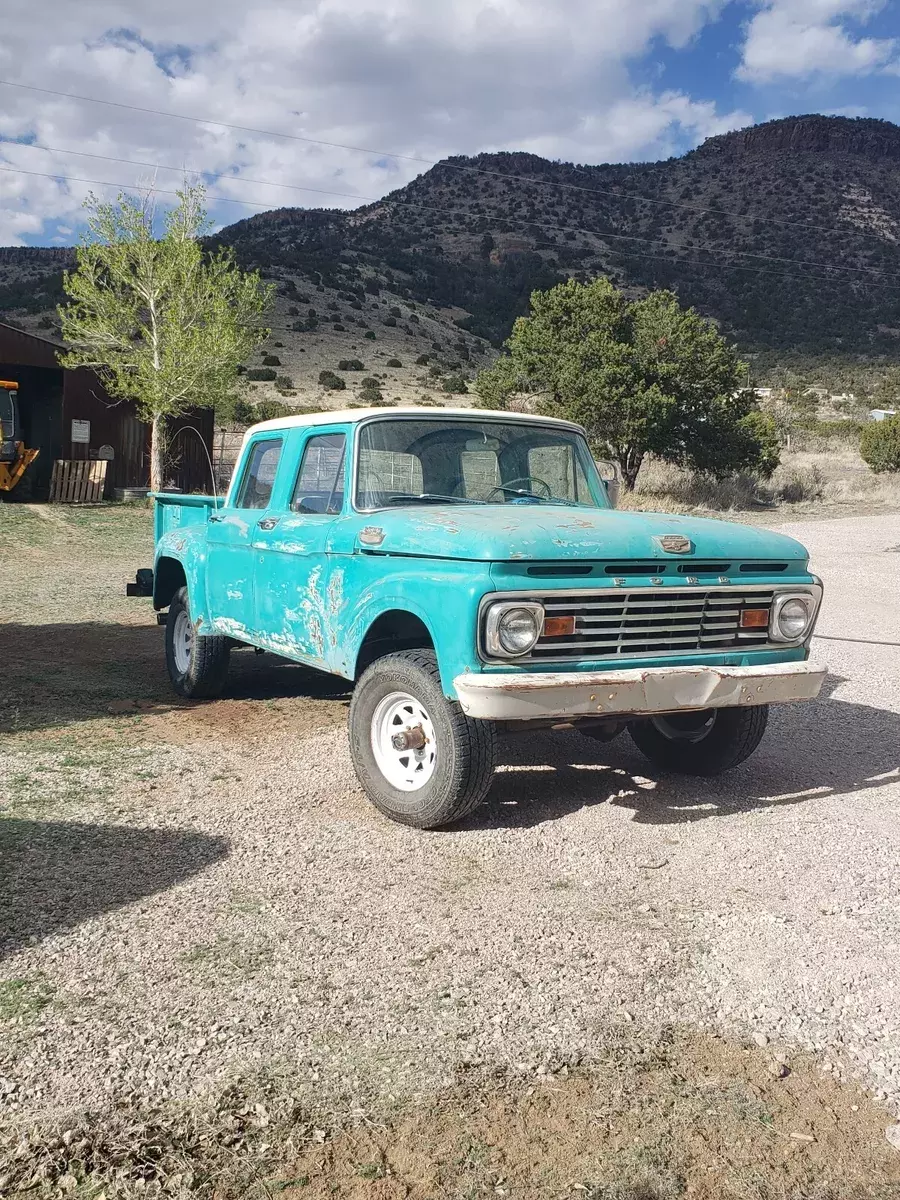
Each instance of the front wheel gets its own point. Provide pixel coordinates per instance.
(419, 758)
(701, 743)
(198, 666)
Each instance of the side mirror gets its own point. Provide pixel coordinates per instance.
(609, 474)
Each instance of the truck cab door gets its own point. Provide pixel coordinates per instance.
(298, 586)
(231, 531)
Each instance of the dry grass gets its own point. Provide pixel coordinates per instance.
(825, 480)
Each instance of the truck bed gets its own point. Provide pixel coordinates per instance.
(175, 511)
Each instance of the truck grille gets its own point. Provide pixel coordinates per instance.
(646, 622)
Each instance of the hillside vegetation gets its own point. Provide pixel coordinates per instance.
(774, 231)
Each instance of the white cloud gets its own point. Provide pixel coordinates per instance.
(423, 79)
(799, 38)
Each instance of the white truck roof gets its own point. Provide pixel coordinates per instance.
(341, 416)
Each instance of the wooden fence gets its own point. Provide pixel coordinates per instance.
(78, 481)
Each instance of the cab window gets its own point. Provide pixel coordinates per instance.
(259, 474)
(320, 480)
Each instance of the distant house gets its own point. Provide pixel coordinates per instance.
(881, 414)
(69, 415)
(764, 393)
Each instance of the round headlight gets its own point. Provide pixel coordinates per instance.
(518, 630)
(793, 618)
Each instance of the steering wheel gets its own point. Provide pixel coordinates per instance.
(532, 490)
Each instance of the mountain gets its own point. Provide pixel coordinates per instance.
(787, 233)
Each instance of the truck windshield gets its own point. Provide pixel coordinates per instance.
(435, 460)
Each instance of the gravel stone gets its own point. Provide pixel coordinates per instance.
(194, 910)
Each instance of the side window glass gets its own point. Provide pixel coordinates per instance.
(320, 481)
(259, 475)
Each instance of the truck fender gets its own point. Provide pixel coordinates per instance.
(181, 562)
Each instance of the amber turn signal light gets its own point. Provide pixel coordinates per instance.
(755, 618)
(558, 626)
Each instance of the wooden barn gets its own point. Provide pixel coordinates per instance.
(68, 416)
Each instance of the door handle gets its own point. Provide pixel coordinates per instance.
(268, 522)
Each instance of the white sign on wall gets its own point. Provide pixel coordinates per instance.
(81, 432)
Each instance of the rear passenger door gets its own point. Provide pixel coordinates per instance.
(230, 536)
(299, 589)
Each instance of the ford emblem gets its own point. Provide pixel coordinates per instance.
(674, 543)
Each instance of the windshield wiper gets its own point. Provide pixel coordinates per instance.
(430, 498)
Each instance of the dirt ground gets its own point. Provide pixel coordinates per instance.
(687, 1116)
(661, 1111)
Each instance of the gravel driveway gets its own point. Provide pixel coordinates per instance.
(180, 908)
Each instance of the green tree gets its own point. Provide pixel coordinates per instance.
(879, 445)
(161, 321)
(642, 376)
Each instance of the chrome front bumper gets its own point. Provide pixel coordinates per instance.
(517, 696)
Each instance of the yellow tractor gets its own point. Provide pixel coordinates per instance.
(15, 458)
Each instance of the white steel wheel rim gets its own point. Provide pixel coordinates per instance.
(407, 770)
(183, 641)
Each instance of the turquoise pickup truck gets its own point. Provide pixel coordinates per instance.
(467, 572)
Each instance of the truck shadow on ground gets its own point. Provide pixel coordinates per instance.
(810, 752)
(56, 874)
(73, 672)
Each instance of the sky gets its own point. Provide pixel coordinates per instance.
(401, 81)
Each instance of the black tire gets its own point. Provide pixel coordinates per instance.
(203, 677)
(464, 750)
(731, 736)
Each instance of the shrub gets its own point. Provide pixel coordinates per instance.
(434, 371)
(278, 345)
(393, 362)
(370, 334)
(802, 485)
(340, 329)
(456, 385)
(293, 311)
(369, 382)
(284, 382)
(263, 374)
(271, 410)
(350, 364)
(391, 321)
(880, 445)
(423, 360)
(271, 360)
(395, 311)
(427, 401)
(242, 412)
(332, 382)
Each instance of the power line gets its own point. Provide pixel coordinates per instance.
(411, 158)
(876, 272)
(123, 186)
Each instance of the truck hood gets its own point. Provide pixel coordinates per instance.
(541, 533)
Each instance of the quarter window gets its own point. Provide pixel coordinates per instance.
(320, 482)
(259, 477)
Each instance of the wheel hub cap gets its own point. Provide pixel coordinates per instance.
(403, 742)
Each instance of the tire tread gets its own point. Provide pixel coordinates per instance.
(206, 676)
(713, 755)
(474, 744)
